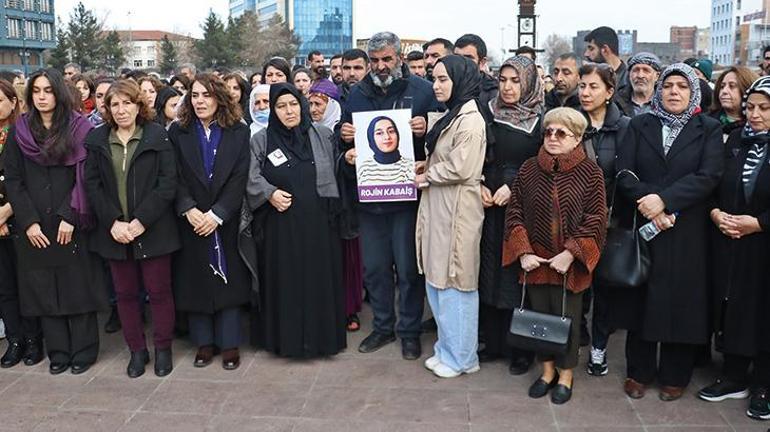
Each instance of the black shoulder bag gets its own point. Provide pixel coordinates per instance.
(625, 260)
(537, 331)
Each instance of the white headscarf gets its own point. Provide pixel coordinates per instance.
(331, 115)
(259, 122)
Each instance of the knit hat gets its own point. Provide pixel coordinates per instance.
(324, 86)
(649, 59)
(703, 65)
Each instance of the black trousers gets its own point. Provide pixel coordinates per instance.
(674, 368)
(736, 368)
(71, 338)
(16, 326)
(496, 324)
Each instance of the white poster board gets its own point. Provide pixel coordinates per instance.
(384, 156)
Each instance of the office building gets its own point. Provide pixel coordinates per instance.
(29, 30)
(143, 47)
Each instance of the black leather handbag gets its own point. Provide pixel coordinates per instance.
(540, 332)
(625, 260)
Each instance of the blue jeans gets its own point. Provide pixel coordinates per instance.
(457, 318)
(388, 240)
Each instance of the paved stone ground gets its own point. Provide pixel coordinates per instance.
(350, 392)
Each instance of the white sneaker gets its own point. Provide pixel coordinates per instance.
(432, 362)
(443, 371)
(2, 329)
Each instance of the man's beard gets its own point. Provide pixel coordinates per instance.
(394, 74)
(337, 79)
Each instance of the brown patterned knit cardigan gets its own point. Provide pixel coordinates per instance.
(557, 203)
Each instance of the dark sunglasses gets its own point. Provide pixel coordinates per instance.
(560, 134)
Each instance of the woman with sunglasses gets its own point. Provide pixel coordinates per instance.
(555, 226)
(607, 126)
(678, 158)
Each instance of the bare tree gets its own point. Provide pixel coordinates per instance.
(555, 46)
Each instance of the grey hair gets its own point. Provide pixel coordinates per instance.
(73, 65)
(382, 40)
(190, 66)
(571, 56)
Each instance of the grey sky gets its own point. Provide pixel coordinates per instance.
(429, 19)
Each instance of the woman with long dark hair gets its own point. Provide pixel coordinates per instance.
(59, 279)
(212, 282)
(23, 333)
(276, 70)
(240, 90)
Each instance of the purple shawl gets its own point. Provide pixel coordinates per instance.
(79, 128)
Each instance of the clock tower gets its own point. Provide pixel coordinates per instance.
(527, 23)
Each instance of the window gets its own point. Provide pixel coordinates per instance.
(30, 30)
(137, 63)
(46, 31)
(14, 28)
(28, 5)
(12, 4)
(151, 50)
(150, 63)
(45, 6)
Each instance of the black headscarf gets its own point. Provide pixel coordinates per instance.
(466, 86)
(380, 156)
(162, 97)
(296, 140)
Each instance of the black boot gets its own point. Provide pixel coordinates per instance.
(33, 351)
(14, 354)
(163, 362)
(113, 322)
(136, 365)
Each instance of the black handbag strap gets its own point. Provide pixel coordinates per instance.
(615, 189)
(563, 295)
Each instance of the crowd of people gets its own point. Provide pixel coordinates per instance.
(215, 196)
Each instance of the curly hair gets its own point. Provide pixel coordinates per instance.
(154, 81)
(228, 112)
(10, 93)
(133, 92)
(745, 78)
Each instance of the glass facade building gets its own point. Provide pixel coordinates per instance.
(29, 30)
(323, 25)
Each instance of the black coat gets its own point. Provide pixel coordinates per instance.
(57, 280)
(553, 100)
(151, 185)
(605, 142)
(196, 288)
(673, 305)
(499, 286)
(739, 267)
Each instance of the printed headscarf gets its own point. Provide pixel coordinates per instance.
(676, 122)
(523, 114)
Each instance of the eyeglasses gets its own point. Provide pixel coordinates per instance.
(560, 134)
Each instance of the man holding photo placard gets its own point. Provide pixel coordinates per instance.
(387, 228)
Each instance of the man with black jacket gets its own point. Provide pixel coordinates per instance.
(473, 47)
(565, 79)
(388, 229)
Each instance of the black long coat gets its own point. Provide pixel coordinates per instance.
(499, 286)
(151, 187)
(740, 267)
(50, 282)
(673, 305)
(196, 288)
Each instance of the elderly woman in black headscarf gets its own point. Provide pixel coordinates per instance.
(517, 111)
(740, 251)
(293, 189)
(450, 217)
(677, 156)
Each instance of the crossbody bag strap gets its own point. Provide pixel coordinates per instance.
(615, 189)
(523, 292)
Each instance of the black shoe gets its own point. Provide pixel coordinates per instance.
(33, 351)
(759, 409)
(411, 348)
(519, 365)
(13, 355)
(375, 341)
(541, 388)
(79, 368)
(55, 368)
(722, 390)
(429, 325)
(135, 367)
(561, 394)
(485, 356)
(164, 362)
(113, 322)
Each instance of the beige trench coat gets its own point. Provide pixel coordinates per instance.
(451, 214)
